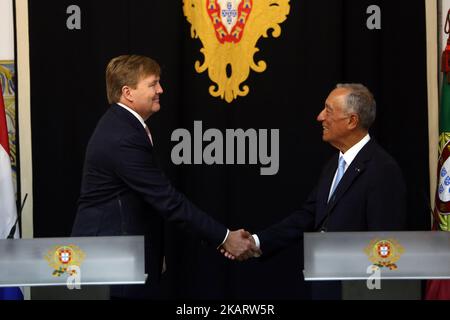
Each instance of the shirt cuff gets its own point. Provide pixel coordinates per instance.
(255, 237)
(258, 245)
(226, 237)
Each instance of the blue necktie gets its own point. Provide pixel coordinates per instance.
(340, 173)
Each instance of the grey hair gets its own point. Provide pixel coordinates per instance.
(360, 101)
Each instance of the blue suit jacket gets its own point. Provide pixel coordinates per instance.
(123, 192)
(371, 196)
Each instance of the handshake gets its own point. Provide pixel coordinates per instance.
(240, 245)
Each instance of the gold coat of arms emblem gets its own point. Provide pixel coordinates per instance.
(61, 258)
(229, 31)
(384, 253)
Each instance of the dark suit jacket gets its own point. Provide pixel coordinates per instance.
(371, 196)
(123, 192)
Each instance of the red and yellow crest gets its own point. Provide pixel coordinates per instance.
(60, 258)
(229, 31)
(384, 253)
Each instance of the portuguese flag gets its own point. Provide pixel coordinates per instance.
(440, 289)
(8, 213)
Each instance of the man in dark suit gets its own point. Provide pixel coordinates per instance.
(123, 192)
(360, 189)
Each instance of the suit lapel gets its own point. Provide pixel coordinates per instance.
(324, 189)
(131, 120)
(356, 168)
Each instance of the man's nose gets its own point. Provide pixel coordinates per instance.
(159, 89)
(321, 116)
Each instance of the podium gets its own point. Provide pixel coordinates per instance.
(396, 255)
(60, 261)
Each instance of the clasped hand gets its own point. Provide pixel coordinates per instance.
(240, 245)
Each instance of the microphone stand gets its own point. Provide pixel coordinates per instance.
(19, 215)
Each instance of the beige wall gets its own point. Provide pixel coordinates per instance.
(433, 23)
(23, 76)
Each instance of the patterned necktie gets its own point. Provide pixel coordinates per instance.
(149, 135)
(340, 173)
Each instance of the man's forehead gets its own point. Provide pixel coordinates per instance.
(339, 92)
(150, 77)
(337, 95)
(335, 100)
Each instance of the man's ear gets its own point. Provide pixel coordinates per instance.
(353, 121)
(127, 93)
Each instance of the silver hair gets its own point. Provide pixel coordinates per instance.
(360, 101)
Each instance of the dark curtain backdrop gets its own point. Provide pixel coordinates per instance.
(322, 43)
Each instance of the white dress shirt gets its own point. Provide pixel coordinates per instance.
(141, 120)
(350, 155)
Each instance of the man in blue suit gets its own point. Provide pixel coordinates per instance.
(360, 189)
(123, 191)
